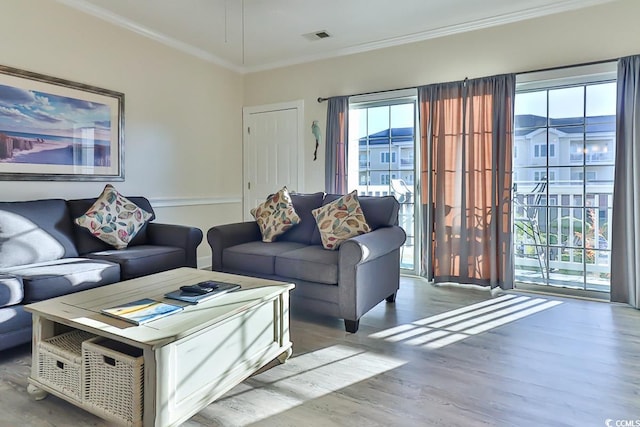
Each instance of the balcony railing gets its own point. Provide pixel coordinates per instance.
(568, 260)
(591, 157)
(563, 244)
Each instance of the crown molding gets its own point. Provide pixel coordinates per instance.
(478, 24)
(120, 21)
(508, 18)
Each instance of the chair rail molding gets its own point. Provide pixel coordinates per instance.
(167, 202)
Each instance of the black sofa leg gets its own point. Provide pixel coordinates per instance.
(351, 325)
(392, 297)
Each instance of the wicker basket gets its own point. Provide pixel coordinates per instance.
(113, 380)
(60, 362)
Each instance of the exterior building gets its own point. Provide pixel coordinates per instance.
(387, 155)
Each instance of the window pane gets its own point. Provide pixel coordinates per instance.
(600, 150)
(531, 109)
(568, 192)
(378, 121)
(402, 116)
(576, 150)
(360, 117)
(601, 102)
(566, 106)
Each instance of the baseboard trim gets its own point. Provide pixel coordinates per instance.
(560, 291)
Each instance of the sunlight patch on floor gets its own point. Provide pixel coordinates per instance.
(456, 325)
(301, 379)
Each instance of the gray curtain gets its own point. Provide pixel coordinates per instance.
(335, 171)
(625, 227)
(467, 138)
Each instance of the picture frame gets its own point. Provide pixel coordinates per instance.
(53, 129)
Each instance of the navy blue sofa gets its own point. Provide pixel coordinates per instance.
(44, 254)
(344, 283)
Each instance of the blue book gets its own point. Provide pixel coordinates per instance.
(141, 311)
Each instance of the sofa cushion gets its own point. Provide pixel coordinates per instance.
(256, 257)
(35, 231)
(113, 218)
(11, 291)
(380, 211)
(142, 260)
(60, 277)
(276, 215)
(86, 242)
(303, 231)
(340, 220)
(312, 263)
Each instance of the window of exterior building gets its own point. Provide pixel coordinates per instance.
(542, 150)
(386, 157)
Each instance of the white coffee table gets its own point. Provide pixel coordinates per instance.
(190, 358)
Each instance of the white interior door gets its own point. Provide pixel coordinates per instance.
(273, 151)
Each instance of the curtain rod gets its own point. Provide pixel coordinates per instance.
(321, 99)
(561, 67)
(583, 64)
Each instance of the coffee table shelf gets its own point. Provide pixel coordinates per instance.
(186, 360)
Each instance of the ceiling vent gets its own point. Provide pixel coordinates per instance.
(317, 35)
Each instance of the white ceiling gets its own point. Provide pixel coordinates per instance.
(274, 29)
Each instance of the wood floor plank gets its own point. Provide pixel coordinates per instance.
(573, 364)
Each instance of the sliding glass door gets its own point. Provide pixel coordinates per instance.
(383, 134)
(564, 152)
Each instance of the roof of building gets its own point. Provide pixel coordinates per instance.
(397, 135)
(524, 125)
(527, 123)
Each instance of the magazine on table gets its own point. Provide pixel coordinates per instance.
(141, 311)
(202, 291)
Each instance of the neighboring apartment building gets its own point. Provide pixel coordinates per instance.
(570, 144)
(387, 155)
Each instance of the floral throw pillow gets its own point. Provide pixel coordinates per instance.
(113, 218)
(340, 220)
(276, 215)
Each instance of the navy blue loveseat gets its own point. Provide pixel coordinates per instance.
(344, 283)
(44, 254)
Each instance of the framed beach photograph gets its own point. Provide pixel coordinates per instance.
(55, 129)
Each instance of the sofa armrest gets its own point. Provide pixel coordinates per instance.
(369, 246)
(368, 271)
(11, 290)
(181, 236)
(225, 236)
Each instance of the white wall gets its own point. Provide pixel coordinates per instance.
(591, 34)
(183, 116)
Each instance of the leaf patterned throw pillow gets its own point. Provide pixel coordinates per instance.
(340, 220)
(113, 218)
(276, 215)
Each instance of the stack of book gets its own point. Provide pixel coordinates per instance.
(145, 310)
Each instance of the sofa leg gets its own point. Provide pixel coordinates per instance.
(392, 297)
(351, 325)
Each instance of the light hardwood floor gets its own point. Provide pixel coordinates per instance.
(510, 360)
